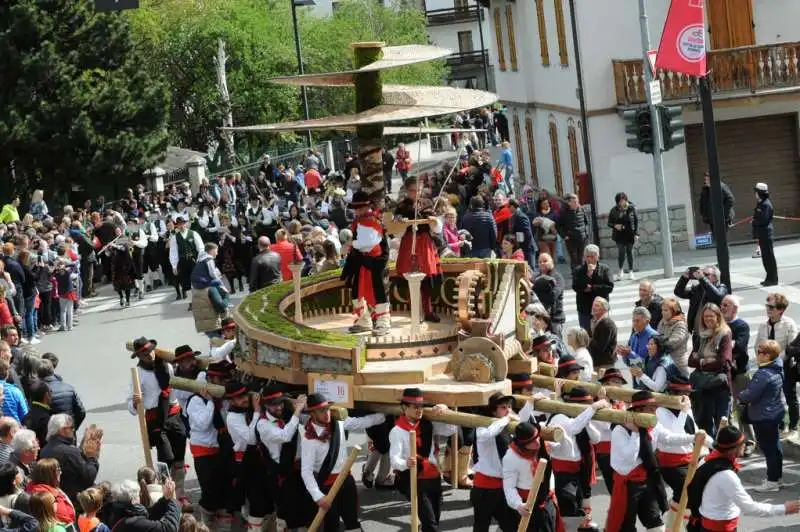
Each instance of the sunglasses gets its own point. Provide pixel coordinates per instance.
(770, 307)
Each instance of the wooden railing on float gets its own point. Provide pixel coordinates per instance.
(746, 69)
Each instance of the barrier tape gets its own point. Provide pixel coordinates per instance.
(750, 218)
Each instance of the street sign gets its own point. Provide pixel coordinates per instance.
(651, 58)
(115, 5)
(655, 92)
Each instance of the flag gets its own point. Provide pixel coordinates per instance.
(683, 41)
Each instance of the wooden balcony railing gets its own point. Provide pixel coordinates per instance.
(441, 17)
(749, 69)
(477, 57)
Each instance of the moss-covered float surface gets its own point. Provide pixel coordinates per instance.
(261, 309)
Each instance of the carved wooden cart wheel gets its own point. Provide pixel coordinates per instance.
(479, 359)
(525, 293)
(472, 286)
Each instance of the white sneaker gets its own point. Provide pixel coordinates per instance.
(34, 341)
(632, 276)
(767, 486)
(757, 253)
(23, 341)
(618, 277)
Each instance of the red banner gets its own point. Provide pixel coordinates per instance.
(683, 41)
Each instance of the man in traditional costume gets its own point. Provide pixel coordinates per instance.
(611, 377)
(323, 454)
(165, 428)
(424, 258)
(222, 347)
(519, 467)
(184, 247)
(365, 271)
(424, 465)
(716, 495)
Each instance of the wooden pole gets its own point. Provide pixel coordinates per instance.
(369, 94)
(699, 440)
(537, 482)
(455, 481)
(337, 485)
(464, 419)
(168, 356)
(137, 390)
(412, 478)
(617, 393)
(604, 414)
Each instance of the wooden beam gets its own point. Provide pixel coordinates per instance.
(675, 402)
(574, 410)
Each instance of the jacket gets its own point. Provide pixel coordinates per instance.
(740, 333)
(601, 282)
(698, 295)
(677, 341)
(265, 270)
(763, 394)
(762, 219)
(77, 471)
(481, 225)
(728, 202)
(521, 224)
(163, 516)
(550, 291)
(85, 247)
(64, 400)
(37, 419)
(14, 404)
(20, 522)
(65, 510)
(629, 221)
(654, 308)
(603, 342)
(204, 273)
(574, 225)
(785, 332)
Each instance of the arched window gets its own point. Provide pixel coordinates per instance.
(531, 148)
(542, 32)
(498, 35)
(561, 32)
(512, 39)
(574, 160)
(559, 180)
(518, 147)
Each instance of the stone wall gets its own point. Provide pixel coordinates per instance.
(649, 233)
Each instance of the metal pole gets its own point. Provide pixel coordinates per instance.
(587, 152)
(719, 227)
(303, 93)
(484, 55)
(658, 142)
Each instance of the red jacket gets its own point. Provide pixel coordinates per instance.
(289, 253)
(5, 314)
(65, 512)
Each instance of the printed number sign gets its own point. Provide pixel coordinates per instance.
(337, 389)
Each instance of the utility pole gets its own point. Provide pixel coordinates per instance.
(484, 55)
(658, 145)
(303, 93)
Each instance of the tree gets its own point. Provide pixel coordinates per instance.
(75, 108)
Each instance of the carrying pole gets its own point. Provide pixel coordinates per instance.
(137, 391)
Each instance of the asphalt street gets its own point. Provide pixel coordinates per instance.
(94, 360)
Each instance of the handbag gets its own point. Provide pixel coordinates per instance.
(707, 381)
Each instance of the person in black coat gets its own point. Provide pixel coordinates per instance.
(707, 290)
(762, 231)
(573, 226)
(549, 288)
(63, 397)
(590, 280)
(78, 466)
(624, 222)
(481, 225)
(265, 268)
(521, 227)
(728, 201)
(651, 301)
(388, 167)
(39, 413)
(126, 513)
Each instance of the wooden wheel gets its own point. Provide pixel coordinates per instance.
(472, 286)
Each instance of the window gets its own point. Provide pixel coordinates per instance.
(464, 42)
(531, 148)
(512, 40)
(462, 5)
(561, 31)
(559, 180)
(518, 148)
(542, 32)
(498, 35)
(574, 160)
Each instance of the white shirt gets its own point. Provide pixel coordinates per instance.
(223, 352)
(183, 396)
(489, 463)
(313, 452)
(659, 381)
(625, 446)
(529, 411)
(241, 433)
(366, 238)
(567, 448)
(201, 422)
(273, 436)
(517, 474)
(399, 449)
(725, 498)
(672, 423)
(785, 331)
(151, 391)
(173, 246)
(603, 428)
(583, 358)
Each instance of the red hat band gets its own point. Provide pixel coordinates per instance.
(579, 399)
(237, 393)
(726, 446)
(521, 384)
(324, 404)
(272, 396)
(411, 400)
(643, 402)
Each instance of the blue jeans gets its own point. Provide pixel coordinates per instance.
(768, 435)
(585, 321)
(30, 317)
(710, 408)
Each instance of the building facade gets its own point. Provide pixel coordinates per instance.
(754, 60)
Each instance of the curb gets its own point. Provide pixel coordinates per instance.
(791, 447)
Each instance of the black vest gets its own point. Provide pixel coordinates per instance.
(700, 480)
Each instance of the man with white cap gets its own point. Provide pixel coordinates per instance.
(762, 231)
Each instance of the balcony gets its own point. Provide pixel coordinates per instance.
(468, 59)
(734, 72)
(442, 17)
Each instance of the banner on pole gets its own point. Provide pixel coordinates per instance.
(683, 41)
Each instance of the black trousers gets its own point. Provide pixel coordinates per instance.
(209, 476)
(289, 489)
(169, 440)
(543, 518)
(571, 493)
(345, 507)
(429, 499)
(249, 484)
(790, 392)
(642, 504)
(87, 277)
(674, 477)
(604, 464)
(183, 280)
(768, 258)
(488, 504)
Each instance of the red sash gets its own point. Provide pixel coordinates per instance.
(238, 456)
(619, 497)
(201, 450)
(673, 459)
(565, 466)
(486, 482)
(715, 525)
(428, 469)
(603, 447)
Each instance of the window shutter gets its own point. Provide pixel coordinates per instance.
(559, 180)
(531, 149)
(542, 32)
(498, 35)
(512, 39)
(561, 30)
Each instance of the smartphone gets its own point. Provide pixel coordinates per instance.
(163, 471)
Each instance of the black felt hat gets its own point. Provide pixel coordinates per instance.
(316, 401)
(227, 323)
(272, 393)
(234, 388)
(184, 351)
(360, 199)
(678, 383)
(223, 369)
(412, 396)
(520, 381)
(541, 341)
(578, 395)
(641, 399)
(566, 365)
(613, 373)
(728, 437)
(143, 346)
(499, 398)
(525, 433)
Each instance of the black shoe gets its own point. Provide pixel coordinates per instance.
(127, 304)
(121, 302)
(433, 318)
(178, 297)
(769, 283)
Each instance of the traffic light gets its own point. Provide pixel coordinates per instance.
(672, 126)
(638, 123)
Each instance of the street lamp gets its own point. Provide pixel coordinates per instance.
(304, 95)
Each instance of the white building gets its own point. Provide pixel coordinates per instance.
(757, 99)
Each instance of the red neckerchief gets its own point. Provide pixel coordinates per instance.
(715, 454)
(311, 433)
(502, 214)
(527, 454)
(404, 423)
(281, 423)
